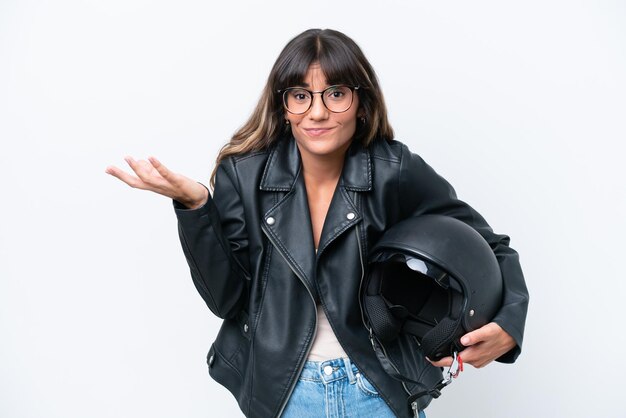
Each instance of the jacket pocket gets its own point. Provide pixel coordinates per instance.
(229, 355)
(223, 372)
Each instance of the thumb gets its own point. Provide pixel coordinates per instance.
(472, 337)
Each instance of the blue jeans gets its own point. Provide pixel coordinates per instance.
(335, 389)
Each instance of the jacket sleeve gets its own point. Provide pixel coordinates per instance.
(215, 244)
(423, 191)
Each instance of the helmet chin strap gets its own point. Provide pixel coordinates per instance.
(453, 372)
(455, 369)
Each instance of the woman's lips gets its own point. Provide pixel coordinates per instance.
(317, 131)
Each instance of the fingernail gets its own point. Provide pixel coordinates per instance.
(465, 341)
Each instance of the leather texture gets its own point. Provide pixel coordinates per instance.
(252, 259)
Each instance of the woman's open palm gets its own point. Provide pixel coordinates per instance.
(153, 176)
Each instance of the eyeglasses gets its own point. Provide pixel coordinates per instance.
(337, 99)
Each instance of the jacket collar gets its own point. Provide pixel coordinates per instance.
(283, 167)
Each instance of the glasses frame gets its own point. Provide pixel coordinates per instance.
(321, 93)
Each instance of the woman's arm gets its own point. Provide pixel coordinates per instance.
(215, 243)
(215, 246)
(423, 191)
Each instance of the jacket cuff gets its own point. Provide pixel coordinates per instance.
(191, 217)
(511, 355)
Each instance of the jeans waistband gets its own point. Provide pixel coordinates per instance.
(329, 370)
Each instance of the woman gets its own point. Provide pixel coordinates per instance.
(301, 192)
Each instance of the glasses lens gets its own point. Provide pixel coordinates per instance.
(297, 100)
(338, 98)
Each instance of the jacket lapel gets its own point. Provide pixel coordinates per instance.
(343, 212)
(287, 221)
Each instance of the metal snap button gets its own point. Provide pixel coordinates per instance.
(245, 327)
(270, 220)
(328, 370)
(350, 216)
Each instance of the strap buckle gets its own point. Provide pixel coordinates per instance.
(455, 368)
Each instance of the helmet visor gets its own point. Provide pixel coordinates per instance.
(415, 288)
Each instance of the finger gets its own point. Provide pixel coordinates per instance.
(146, 172)
(469, 339)
(163, 171)
(137, 166)
(130, 161)
(476, 336)
(478, 363)
(132, 181)
(482, 364)
(444, 362)
(470, 355)
(477, 356)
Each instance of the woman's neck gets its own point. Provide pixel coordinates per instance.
(322, 170)
(321, 175)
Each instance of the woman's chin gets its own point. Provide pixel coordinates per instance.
(322, 148)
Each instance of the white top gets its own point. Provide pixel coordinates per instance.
(325, 346)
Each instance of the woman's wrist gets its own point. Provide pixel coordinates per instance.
(197, 201)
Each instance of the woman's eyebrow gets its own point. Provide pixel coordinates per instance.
(303, 84)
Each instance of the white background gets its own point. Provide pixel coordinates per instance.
(520, 105)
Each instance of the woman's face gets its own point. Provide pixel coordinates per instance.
(319, 132)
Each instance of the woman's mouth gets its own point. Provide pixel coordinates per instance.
(317, 131)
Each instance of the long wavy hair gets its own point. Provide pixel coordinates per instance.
(341, 61)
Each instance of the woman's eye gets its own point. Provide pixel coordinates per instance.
(335, 94)
(299, 95)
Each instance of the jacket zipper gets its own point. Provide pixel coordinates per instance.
(301, 365)
(358, 240)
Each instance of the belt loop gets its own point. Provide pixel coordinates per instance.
(348, 364)
(320, 374)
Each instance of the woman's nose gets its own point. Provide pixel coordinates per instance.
(318, 110)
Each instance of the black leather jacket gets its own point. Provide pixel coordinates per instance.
(252, 258)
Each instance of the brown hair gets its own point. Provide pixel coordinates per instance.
(341, 61)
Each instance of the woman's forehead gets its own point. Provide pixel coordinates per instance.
(316, 77)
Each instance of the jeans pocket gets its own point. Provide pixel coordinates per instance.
(365, 386)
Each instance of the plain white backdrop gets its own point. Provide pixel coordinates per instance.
(520, 105)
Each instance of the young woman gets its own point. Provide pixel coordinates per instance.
(279, 251)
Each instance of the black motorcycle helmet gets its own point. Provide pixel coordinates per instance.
(433, 277)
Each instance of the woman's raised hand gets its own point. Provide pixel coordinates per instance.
(155, 177)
